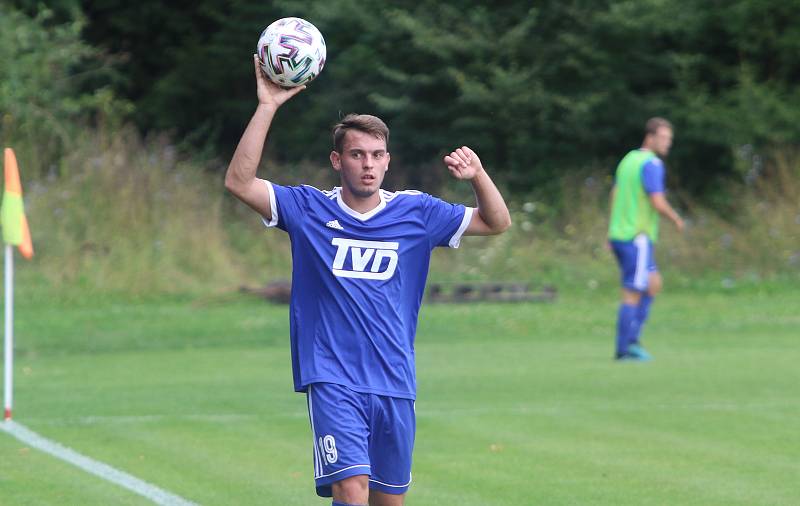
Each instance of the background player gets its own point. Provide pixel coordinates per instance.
(360, 259)
(637, 200)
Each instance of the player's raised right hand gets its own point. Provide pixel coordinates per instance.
(463, 163)
(270, 93)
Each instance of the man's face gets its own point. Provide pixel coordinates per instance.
(661, 141)
(362, 164)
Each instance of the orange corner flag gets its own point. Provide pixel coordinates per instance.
(12, 212)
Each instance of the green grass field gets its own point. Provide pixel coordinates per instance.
(518, 404)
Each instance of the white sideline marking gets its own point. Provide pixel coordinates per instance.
(104, 471)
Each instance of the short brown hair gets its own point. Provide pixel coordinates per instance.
(366, 123)
(653, 124)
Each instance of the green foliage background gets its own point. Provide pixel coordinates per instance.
(542, 87)
(124, 115)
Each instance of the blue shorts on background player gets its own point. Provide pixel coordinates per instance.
(637, 200)
(360, 258)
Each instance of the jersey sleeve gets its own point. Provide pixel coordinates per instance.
(445, 222)
(286, 206)
(653, 176)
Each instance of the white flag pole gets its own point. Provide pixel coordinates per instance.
(9, 334)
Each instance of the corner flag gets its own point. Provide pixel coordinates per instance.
(16, 233)
(12, 212)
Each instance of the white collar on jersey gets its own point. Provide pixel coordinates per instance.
(355, 214)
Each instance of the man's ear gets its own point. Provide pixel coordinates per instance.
(336, 161)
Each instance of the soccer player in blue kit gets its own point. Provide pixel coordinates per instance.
(637, 200)
(360, 258)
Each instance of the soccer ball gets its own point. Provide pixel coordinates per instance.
(291, 51)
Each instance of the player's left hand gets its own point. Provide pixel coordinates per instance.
(463, 163)
(680, 224)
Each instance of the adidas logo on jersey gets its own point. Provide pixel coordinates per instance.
(334, 224)
(368, 259)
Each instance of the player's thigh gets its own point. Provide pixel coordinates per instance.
(655, 283)
(392, 432)
(352, 490)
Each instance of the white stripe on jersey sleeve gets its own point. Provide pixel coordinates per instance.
(455, 241)
(328, 193)
(273, 208)
(389, 196)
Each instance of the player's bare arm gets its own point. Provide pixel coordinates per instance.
(492, 216)
(240, 178)
(660, 204)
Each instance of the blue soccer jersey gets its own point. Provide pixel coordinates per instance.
(358, 282)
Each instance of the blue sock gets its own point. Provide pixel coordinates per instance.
(642, 312)
(626, 322)
(342, 504)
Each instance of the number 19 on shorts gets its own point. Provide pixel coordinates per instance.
(328, 446)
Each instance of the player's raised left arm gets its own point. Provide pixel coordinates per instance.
(491, 216)
(240, 179)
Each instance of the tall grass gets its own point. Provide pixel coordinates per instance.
(131, 215)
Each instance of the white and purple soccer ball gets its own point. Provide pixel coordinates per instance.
(291, 51)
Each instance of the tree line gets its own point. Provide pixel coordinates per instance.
(540, 88)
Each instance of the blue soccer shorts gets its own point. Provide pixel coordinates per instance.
(359, 433)
(636, 261)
